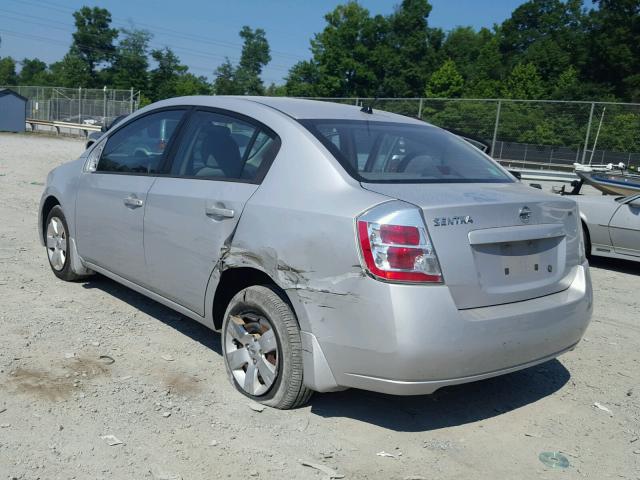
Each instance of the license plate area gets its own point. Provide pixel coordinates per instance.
(518, 265)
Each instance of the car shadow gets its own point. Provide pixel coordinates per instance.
(192, 329)
(449, 406)
(615, 264)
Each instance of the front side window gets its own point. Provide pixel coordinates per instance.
(139, 147)
(404, 153)
(219, 146)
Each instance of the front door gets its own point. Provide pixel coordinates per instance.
(624, 229)
(111, 200)
(193, 212)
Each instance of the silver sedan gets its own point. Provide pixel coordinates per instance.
(611, 225)
(332, 246)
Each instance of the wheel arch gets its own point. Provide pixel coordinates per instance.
(47, 205)
(234, 279)
(587, 237)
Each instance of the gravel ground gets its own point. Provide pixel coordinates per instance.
(166, 397)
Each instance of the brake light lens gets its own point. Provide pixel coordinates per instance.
(400, 234)
(397, 252)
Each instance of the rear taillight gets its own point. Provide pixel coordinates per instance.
(395, 244)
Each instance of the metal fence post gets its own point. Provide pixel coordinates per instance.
(131, 101)
(586, 137)
(595, 142)
(495, 128)
(79, 104)
(420, 109)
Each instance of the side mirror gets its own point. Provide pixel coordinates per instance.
(91, 164)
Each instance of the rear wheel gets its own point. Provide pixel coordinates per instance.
(262, 348)
(58, 246)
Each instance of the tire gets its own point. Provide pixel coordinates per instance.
(266, 367)
(59, 253)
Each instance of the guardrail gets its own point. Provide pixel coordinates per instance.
(84, 128)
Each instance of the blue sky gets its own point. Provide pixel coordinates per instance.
(203, 32)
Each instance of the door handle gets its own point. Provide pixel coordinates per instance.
(133, 202)
(215, 211)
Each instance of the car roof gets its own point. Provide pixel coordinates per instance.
(302, 109)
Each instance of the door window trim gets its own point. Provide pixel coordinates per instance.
(188, 109)
(259, 126)
(174, 143)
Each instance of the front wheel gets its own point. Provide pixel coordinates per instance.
(58, 246)
(262, 348)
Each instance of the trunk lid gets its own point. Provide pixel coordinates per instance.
(496, 242)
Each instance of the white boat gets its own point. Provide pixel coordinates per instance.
(610, 179)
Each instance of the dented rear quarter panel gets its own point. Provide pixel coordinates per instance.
(299, 228)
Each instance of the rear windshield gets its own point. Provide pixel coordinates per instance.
(382, 152)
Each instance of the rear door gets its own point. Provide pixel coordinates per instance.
(624, 228)
(218, 164)
(111, 200)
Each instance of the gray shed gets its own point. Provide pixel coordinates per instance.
(13, 111)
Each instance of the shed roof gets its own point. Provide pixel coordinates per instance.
(8, 91)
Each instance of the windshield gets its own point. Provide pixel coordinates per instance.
(383, 152)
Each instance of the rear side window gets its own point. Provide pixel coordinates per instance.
(382, 152)
(224, 147)
(139, 147)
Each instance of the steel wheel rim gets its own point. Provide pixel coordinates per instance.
(251, 352)
(56, 244)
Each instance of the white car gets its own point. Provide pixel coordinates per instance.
(611, 225)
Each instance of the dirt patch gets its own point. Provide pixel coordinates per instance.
(41, 384)
(182, 383)
(88, 367)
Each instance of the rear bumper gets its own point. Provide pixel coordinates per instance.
(409, 340)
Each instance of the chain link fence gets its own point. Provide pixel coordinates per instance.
(521, 133)
(531, 133)
(77, 105)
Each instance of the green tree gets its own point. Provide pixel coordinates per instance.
(255, 56)
(567, 84)
(364, 56)
(131, 64)
(245, 78)
(33, 72)
(549, 34)
(8, 74)
(190, 84)
(274, 90)
(225, 80)
(71, 71)
(524, 82)
(93, 38)
(446, 82)
(416, 49)
(614, 46)
(164, 78)
(303, 79)
(343, 54)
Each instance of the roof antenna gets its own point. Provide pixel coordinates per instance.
(369, 108)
